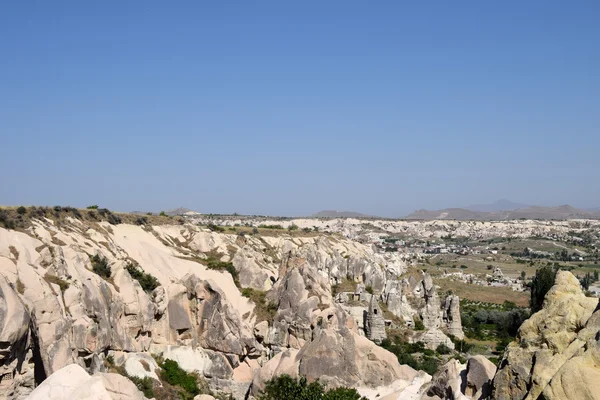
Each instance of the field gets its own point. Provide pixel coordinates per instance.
(486, 294)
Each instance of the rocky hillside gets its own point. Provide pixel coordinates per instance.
(557, 353)
(84, 296)
(359, 229)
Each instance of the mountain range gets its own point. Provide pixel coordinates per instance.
(494, 214)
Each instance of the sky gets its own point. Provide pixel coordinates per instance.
(289, 107)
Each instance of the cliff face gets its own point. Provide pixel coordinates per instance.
(557, 351)
(56, 311)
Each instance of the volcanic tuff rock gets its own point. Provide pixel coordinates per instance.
(556, 354)
(457, 381)
(65, 318)
(72, 382)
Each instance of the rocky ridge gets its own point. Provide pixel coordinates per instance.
(57, 312)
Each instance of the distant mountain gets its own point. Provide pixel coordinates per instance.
(500, 205)
(339, 214)
(533, 212)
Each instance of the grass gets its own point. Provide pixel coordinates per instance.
(264, 310)
(212, 262)
(345, 285)
(62, 284)
(487, 294)
(21, 286)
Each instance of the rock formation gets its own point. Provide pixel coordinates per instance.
(375, 324)
(60, 318)
(556, 354)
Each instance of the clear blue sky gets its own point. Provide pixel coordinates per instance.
(291, 107)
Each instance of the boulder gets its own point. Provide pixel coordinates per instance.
(72, 382)
(16, 369)
(555, 354)
(480, 372)
(448, 382)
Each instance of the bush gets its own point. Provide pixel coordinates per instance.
(285, 387)
(215, 228)
(419, 325)
(270, 226)
(292, 227)
(21, 210)
(163, 214)
(443, 349)
(218, 265)
(146, 281)
(93, 207)
(145, 385)
(369, 289)
(113, 219)
(174, 375)
(141, 221)
(100, 266)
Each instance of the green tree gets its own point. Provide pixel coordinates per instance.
(523, 275)
(541, 283)
(21, 210)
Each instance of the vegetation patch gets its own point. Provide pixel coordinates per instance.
(270, 226)
(146, 281)
(62, 284)
(100, 266)
(284, 387)
(264, 310)
(414, 355)
(214, 263)
(174, 375)
(21, 286)
(13, 250)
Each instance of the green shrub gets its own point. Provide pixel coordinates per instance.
(146, 281)
(285, 387)
(369, 289)
(145, 385)
(141, 221)
(292, 227)
(93, 207)
(218, 265)
(215, 228)
(113, 219)
(419, 325)
(100, 266)
(163, 214)
(174, 375)
(443, 349)
(21, 210)
(270, 226)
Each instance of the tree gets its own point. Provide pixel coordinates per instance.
(523, 275)
(541, 283)
(21, 210)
